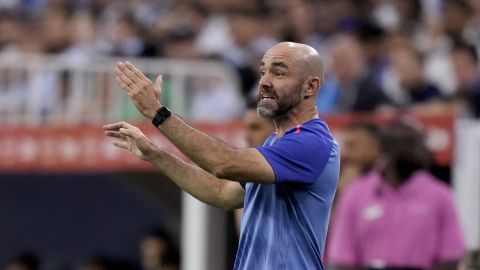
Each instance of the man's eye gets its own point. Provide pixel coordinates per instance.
(279, 73)
(262, 72)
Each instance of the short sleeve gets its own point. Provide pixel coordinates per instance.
(343, 243)
(451, 246)
(298, 157)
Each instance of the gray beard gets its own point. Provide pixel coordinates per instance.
(265, 112)
(283, 107)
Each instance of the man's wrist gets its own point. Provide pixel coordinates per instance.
(161, 115)
(154, 156)
(151, 113)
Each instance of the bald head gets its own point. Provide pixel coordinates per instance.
(291, 76)
(307, 56)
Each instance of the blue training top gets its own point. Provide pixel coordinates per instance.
(284, 225)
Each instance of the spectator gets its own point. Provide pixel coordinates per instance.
(158, 252)
(415, 92)
(360, 150)
(181, 43)
(360, 144)
(82, 30)
(351, 88)
(398, 216)
(467, 73)
(55, 29)
(9, 27)
(300, 26)
(23, 261)
(123, 33)
(456, 15)
(251, 41)
(175, 35)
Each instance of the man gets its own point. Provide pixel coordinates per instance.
(467, 73)
(286, 186)
(360, 151)
(352, 88)
(399, 216)
(360, 144)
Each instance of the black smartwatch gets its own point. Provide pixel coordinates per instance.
(161, 115)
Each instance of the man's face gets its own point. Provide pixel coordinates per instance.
(257, 128)
(359, 148)
(281, 83)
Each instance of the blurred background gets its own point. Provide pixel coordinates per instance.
(70, 200)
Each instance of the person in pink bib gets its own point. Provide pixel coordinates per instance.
(398, 216)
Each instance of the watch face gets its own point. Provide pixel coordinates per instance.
(164, 112)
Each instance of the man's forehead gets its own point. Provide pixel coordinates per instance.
(278, 56)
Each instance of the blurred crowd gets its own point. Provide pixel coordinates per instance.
(382, 56)
(386, 56)
(157, 251)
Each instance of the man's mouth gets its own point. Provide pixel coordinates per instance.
(266, 96)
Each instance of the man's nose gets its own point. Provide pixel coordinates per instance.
(265, 81)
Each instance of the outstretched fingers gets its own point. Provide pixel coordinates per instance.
(127, 71)
(115, 134)
(128, 132)
(133, 71)
(116, 126)
(121, 144)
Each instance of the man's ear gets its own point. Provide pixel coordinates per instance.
(313, 85)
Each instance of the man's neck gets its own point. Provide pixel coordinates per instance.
(295, 117)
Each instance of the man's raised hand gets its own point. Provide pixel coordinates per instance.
(131, 138)
(139, 88)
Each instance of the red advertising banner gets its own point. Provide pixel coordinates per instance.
(86, 148)
(439, 130)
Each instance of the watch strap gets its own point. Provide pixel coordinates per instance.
(161, 115)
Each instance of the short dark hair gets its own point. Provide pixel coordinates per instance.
(405, 148)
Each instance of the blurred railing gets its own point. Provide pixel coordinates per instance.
(57, 90)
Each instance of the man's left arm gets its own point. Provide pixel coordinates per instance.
(213, 155)
(207, 152)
